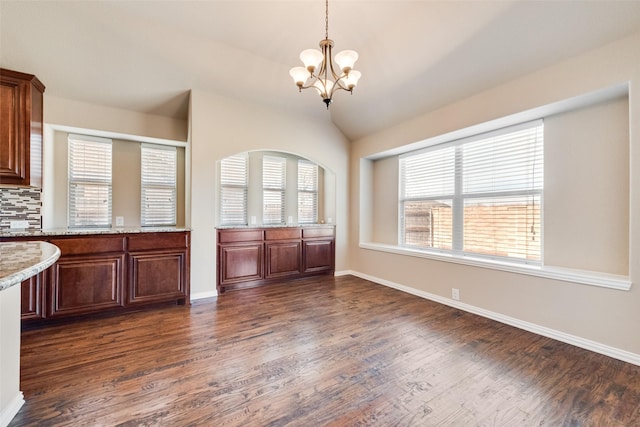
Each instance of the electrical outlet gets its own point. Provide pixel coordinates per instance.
(455, 294)
(19, 224)
(253, 220)
(290, 219)
(119, 221)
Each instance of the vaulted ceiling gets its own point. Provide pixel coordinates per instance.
(415, 56)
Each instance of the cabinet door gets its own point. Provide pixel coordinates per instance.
(240, 263)
(32, 304)
(13, 145)
(85, 284)
(283, 259)
(157, 276)
(318, 255)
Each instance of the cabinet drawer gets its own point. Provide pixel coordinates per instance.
(317, 232)
(230, 236)
(89, 245)
(282, 234)
(145, 241)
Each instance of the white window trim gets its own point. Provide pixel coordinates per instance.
(593, 278)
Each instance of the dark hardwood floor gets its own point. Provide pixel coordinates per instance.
(316, 352)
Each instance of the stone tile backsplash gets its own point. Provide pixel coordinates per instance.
(20, 204)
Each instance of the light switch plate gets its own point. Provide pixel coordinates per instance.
(19, 224)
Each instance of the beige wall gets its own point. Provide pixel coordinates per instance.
(219, 128)
(61, 111)
(591, 313)
(586, 196)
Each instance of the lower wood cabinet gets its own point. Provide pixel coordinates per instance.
(240, 263)
(158, 268)
(32, 305)
(257, 256)
(97, 273)
(86, 284)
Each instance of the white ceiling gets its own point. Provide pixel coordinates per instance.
(414, 55)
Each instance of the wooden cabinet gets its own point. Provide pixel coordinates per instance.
(21, 128)
(158, 268)
(32, 305)
(319, 250)
(86, 284)
(105, 272)
(88, 276)
(256, 256)
(283, 252)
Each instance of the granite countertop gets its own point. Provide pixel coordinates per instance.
(34, 232)
(21, 260)
(230, 227)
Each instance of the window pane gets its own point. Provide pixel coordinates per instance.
(273, 183)
(511, 162)
(273, 207)
(89, 181)
(428, 224)
(428, 174)
(234, 202)
(307, 176)
(307, 208)
(233, 190)
(158, 185)
(503, 226)
(307, 192)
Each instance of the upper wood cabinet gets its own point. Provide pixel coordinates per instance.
(21, 128)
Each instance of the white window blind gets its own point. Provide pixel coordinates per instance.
(158, 185)
(480, 196)
(307, 192)
(273, 186)
(234, 180)
(89, 178)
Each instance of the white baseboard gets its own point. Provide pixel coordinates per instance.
(8, 412)
(594, 346)
(203, 295)
(343, 273)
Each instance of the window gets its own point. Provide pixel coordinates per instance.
(158, 185)
(307, 192)
(89, 181)
(480, 196)
(233, 190)
(273, 189)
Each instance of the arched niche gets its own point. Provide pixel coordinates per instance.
(326, 189)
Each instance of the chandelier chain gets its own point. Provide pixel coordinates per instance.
(326, 19)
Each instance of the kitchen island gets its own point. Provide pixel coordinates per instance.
(18, 262)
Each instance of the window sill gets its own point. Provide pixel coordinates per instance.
(584, 277)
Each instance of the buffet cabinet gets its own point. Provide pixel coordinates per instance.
(21, 128)
(97, 273)
(256, 256)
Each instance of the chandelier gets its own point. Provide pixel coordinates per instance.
(319, 72)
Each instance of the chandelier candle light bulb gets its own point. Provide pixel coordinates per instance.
(318, 71)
